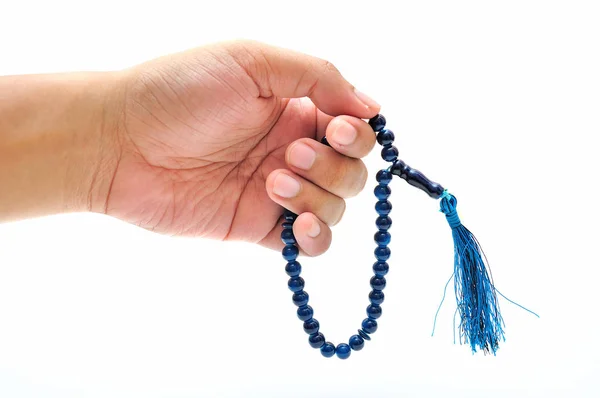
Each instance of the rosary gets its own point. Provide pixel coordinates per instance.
(481, 325)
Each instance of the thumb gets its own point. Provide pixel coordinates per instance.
(289, 74)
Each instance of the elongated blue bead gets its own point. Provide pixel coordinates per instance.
(382, 192)
(296, 283)
(382, 253)
(311, 326)
(389, 153)
(380, 268)
(382, 238)
(290, 252)
(382, 207)
(293, 268)
(305, 312)
(374, 311)
(343, 351)
(376, 297)
(328, 350)
(356, 342)
(385, 137)
(377, 123)
(316, 340)
(383, 223)
(300, 298)
(378, 283)
(287, 236)
(369, 326)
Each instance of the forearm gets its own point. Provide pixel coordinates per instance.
(54, 150)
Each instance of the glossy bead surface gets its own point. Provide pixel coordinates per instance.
(385, 137)
(377, 123)
(382, 238)
(376, 297)
(382, 253)
(343, 351)
(384, 177)
(382, 207)
(311, 326)
(290, 252)
(374, 311)
(296, 283)
(287, 236)
(378, 282)
(364, 335)
(305, 312)
(328, 350)
(300, 298)
(369, 326)
(287, 225)
(356, 342)
(389, 153)
(382, 192)
(316, 340)
(293, 268)
(383, 223)
(381, 268)
(289, 216)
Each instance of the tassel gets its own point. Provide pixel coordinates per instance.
(481, 325)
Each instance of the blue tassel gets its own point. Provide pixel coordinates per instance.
(481, 325)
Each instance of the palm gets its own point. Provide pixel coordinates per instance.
(197, 146)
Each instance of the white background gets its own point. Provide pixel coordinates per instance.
(498, 101)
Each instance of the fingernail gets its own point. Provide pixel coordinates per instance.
(285, 186)
(344, 133)
(314, 230)
(365, 99)
(302, 156)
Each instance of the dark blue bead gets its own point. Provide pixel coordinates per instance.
(377, 123)
(293, 268)
(316, 340)
(328, 350)
(382, 238)
(382, 253)
(287, 225)
(389, 153)
(384, 177)
(343, 351)
(356, 342)
(369, 326)
(376, 297)
(382, 192)
(324, 141)
(385, 137)
(300, 298)
(290, 252)
(381, 268)
(311, 326)
(382, 207)
(287, 237)
(289, 216)
(364, 335)
(378, 282)
(296, 284)
(373, 311)
(383, 223)
(305, 312)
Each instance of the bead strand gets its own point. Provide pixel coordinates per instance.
(382, 252)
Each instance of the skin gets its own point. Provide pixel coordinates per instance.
(200, 143)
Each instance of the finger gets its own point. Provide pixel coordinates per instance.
(289, 74)
(341, 175)
(313, 235)
(299, 195)
(350, 136)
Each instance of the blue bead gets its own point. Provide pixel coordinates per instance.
(287, 237)
(381, 268)
(382, 207)
(290, 252)
(384, 177)
(356, 342)
(287, 225)
(324, 141)
(316, 340)
(383, 223)
(364, 335)
(374, 311)
(385, 137)
(382, 253)
(343, 351)
(382, 238)
(296, 284)
(376, 297)
(389, 153)
(300, 298)
(377, 123)
(311, 326)
(369, 326)
(382, 192)
(289, 216)
(328, 350)
(378, 282)
(293, 268)
(305, 312)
